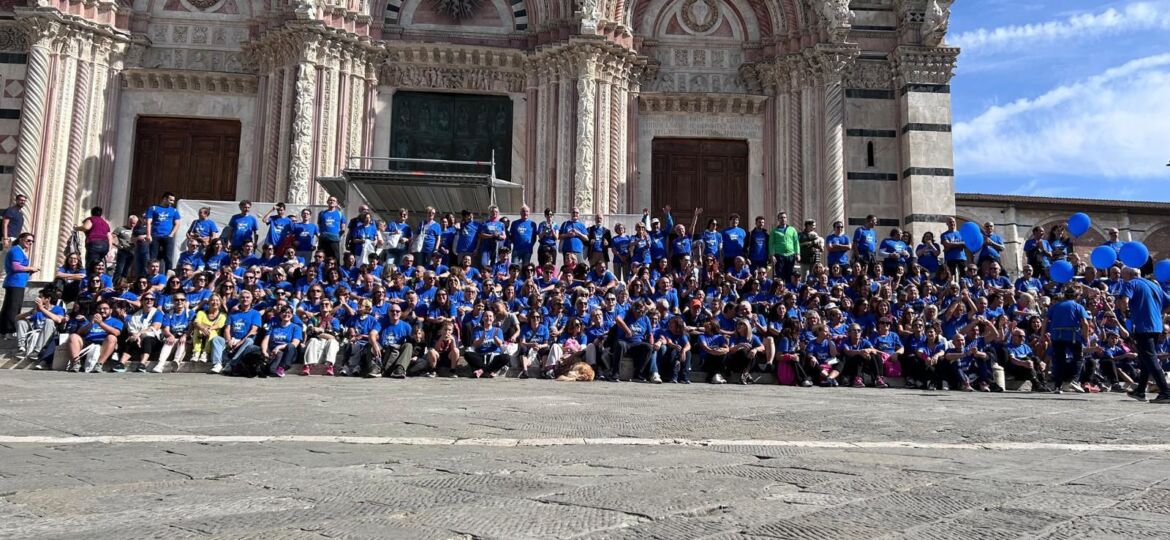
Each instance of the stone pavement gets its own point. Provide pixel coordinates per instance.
(198, 456)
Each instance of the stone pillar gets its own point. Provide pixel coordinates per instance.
(300, 141)
(544, 118)
(1013, 256)
(40, 34)
(565, 139)
(583, 185)
(924, 100)
(617, 147)
(77, 143)
(604, 121)
(830, 63)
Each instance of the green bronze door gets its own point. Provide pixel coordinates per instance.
(461, 127)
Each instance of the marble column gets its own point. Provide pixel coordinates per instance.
(834, 139)
(565, 141)
(604, 120)
(76, 146)
(300, 141)
(40, 35)
(924, 103)
(542, 179)
(583, 165)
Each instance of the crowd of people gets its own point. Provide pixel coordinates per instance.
(477, 296)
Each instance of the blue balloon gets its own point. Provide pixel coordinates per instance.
(1079, 223)
(1062, 272)
(1103, 257)
(1134, 254)
(972, 235)
(1162, 270)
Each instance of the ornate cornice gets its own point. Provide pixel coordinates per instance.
(189, 81)
(453, 67)
(925, 65)
(49, 24)
(308, 42)
(739, 104)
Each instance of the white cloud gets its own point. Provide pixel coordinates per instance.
(1112, 125)
(1136, 16)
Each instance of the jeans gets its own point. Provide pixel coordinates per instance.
(96, 251)
(161, 248)
(219, 346)
(283, 360)
(641, 353)
(675, 364)
(123, 261)
(521, 258)
(141, 257)
(332, 248)
(1148, 361)
(785, 267)
(1066, 362)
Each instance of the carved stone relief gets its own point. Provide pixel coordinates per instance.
(698, 70)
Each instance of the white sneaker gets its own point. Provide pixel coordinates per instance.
(718, 379)
(1076, 387)
(158, 368)
(656, 378)
(216, 368)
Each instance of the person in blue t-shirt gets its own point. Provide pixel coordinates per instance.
(466, 237)
(522, 237)
(486, 356)
(331, 227)
(306, 233)
(1147, 303)
(492, 233)
(837, 246)
(239, 334)
(865, 243)
(390, 348)
(632, 337)
(281, 341)
(993, 246)
(573, 235)
(427, 237)
(203, 229)
(620, 245)
(162, 222)
(1068, 326)
(894, 252)
(954, 249)
(546, 234)
(398, 239)
(17, 270)
(279, 225)
(673, 349)
(733, 241)
(241, 228)
(101, 330)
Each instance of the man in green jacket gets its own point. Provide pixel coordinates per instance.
(784, 248)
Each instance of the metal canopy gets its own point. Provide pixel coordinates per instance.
(387, 184)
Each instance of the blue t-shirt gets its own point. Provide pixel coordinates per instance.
(330, 222)
(953, 254)
(572, 244)
(494, 228)
(987, 250)
(12, 278)
(712, 242)
(392, 335)
(203, 228)
(734, 240)
(489, 335)
(97, 333)
(278, 227)
(431, 233)
(865, 240)
(241, 229)
(284, 334)
(162, 220)
(306, 234)
(639, 330)
(836, 258)
(242, 322)
(758, 245)
(547, 234)
(1146, 302)
(179, 322)
(1064, 320)
(467, 237)
(522, 236)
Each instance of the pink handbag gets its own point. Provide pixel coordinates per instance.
(785, 371)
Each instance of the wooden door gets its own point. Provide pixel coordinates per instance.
(192, 157)
(711, 174)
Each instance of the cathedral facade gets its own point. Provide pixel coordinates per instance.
(827, 109)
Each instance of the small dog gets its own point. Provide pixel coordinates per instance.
(576, 371)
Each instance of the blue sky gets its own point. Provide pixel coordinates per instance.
(1066, 98)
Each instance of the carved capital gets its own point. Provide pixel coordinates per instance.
(870, 75)
(40, 31)
(925, 65)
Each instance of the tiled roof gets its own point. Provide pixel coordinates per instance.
(1066, 202)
